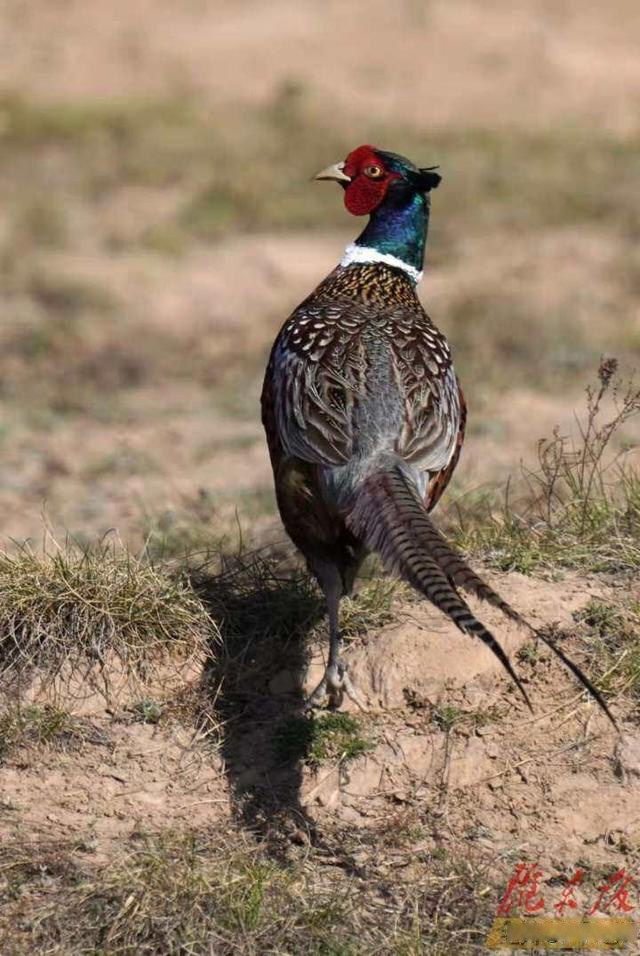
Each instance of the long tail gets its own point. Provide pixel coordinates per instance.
(390, 518)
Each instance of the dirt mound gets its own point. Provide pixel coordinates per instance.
(425, 653)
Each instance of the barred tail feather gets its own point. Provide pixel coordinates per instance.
(382, 518)
(390, 518)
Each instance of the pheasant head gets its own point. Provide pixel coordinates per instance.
(394, 193)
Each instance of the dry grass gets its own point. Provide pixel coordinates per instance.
(610, 632)
(75, 611)
(581, 507)
(42, 725)
(374, 603)
(204, 893)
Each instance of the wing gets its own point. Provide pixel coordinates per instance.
(432, 399)
(315, 377)
(440, 479)
(345, 378)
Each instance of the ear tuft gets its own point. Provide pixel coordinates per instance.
(428, 179)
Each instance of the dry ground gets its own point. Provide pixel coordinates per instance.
(156, 226)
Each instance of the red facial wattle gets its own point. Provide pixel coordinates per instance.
(363, 194)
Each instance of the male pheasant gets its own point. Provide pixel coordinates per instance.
(365, 417)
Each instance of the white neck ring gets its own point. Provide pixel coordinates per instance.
(365, 255)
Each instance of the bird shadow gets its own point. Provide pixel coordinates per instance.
(253, 689)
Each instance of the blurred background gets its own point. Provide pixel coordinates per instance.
(157, 225)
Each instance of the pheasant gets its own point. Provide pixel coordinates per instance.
(365, 417)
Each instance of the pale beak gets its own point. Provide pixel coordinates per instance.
(335, 172)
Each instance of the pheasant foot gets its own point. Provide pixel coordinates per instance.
(335, 684)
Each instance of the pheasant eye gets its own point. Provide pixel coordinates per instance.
(373, 171)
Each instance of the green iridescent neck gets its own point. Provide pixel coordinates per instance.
(399, 230)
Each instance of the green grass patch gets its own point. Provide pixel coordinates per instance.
(528, 653)
(317, 739)
(148, 710)
(28, 123)
(449, 716)
(252, 171)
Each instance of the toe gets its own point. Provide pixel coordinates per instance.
(354, 694)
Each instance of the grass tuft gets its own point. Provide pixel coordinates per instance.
(448, 716)
(149, 711)
(71, 611)
(528, 653)
(611, 636)
(37, 726)
(176, 894)
(372, 605)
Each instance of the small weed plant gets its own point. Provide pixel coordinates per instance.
(581, 507)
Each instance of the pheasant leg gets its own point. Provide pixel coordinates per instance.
(335, 682)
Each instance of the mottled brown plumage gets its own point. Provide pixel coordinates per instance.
(362, 331)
